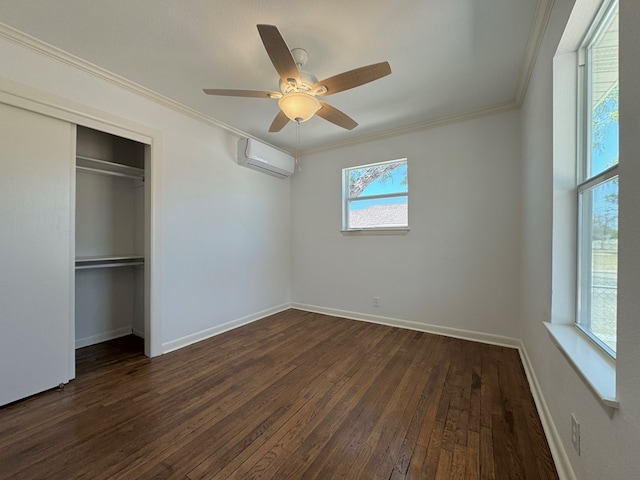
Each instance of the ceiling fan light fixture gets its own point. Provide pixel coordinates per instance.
(299, 106)
(298, 88)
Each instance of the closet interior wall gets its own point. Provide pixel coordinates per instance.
(110, 243)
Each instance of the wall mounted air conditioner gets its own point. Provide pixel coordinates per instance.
(264, 158)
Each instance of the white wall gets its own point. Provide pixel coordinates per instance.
(223, 230)
(458, 266)
(609, 438)
(478, 256)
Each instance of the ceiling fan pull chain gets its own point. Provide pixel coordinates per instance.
(297, 152)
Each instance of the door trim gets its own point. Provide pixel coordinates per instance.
(31, 99)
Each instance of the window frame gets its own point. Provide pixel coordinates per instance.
(585, 181)
(347, 199)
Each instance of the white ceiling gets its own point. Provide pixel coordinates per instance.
(448, 57)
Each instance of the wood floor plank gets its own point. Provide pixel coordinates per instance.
(391, 443)
(443, 471)
(487, 465)
(416, 467)
(472, 468)
(303, 457)
(475, 403)
(424, 459)
(356, 376)
(351, 437)
(295, 395)
(215, 463)
(459, 463)
(305, 417)
(248, 413)
(123, 426)
(398, 455)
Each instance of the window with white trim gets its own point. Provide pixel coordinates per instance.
(597, 187)
(375, 196)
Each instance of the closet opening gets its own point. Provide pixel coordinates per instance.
(111, 238)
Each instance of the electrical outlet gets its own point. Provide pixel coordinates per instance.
(376, 301)
(575, 433)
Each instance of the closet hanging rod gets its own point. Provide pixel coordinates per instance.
(99, 171)
(109, 265)
(110, 258)
(109, 167)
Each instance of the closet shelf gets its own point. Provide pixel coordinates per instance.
(94, 165)
(109, 261)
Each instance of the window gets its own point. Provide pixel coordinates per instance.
(597, 187)
(375, 196)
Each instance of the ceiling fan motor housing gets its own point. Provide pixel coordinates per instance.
(298, 100)
(308, 81)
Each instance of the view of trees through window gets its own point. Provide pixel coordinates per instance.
(598, 190)
(376, 196)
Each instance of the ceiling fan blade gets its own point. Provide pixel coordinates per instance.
(353, 78)
(279, 53)
(241, 93)
(334, 115)
(279, 122)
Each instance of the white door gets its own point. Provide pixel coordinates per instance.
(36, 323)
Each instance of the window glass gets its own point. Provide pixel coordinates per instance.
(599, 207)
(376, 196)
(598, 183)
(604, 98)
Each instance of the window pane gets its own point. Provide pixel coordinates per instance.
(380, 212)
(599, 282)
(381, 179)
(604, 98)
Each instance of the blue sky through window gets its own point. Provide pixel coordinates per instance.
(605, 151)
(395, 182)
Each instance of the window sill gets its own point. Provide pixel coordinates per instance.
(377, 231)
(595, 367)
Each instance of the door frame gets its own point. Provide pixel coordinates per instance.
(28, 98)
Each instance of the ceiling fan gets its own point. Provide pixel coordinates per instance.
(299, 89)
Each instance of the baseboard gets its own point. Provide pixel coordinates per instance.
(218, 329)
(138, 333)
(560, 457)
(410, 325)
(102, 337)
(561, 460)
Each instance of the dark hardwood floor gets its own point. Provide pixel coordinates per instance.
(295, 395)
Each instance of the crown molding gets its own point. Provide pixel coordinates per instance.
(538, 28)
(543, 12)
(25, 40)
(416, 127)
